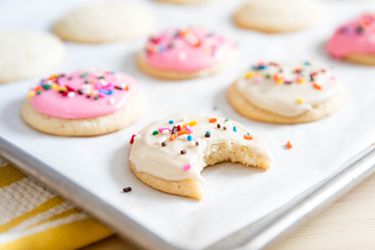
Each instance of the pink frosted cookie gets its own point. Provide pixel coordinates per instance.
(186, 53)
(83, 103)
(355, 40)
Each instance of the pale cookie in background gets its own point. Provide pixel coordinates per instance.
(84, 103)
(355, 40)
(274, 16)
(286, 93)
(169, 155)
(106, 21)
(186, 53)
(25, 54)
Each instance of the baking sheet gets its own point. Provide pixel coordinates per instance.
(235, 196)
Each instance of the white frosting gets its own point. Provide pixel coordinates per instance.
(149, 156)
(281, 90)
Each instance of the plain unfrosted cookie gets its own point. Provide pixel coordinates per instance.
(286, 93)
(25, 54)
(84, 103)
(278, 15)
(170, 154)
(186, 53)
(106, 21)
(355, 40)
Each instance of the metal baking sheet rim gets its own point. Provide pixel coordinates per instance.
(257, 235)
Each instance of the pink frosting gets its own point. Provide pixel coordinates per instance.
(357, 36)
(186, 50)
(82, 94)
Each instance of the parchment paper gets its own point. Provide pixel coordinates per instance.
(234, 196)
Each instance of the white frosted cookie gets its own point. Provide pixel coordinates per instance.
(186, 53)
(83, 103)
(278, 15)
(106, 21)
(286, 93)
(169, 155)
(25, 54)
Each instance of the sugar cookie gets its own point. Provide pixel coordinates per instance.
(286, 93)
(186, 53)
(105, 22)
(169, 155)
(83, 103)
(277, 16)
(25, 54)
(355, 41)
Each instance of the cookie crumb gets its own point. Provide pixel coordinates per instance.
(127, 189)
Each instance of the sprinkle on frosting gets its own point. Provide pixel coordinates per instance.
(81, 94)
(186, 49)
(275, 71)
(356, 36)
(185, 155)
(288, 89)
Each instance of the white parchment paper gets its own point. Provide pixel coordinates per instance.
(235, 196)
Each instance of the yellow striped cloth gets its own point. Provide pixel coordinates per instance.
(32, 217)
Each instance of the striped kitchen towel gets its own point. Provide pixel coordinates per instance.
(32, 217)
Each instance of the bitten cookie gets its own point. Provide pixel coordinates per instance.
(277, 16)
(170, 154)
(83, 103)
(186, 53)
(355, 41)
(25, 54)
(286, 93)
(105, 22)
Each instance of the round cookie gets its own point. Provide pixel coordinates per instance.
(170, 154)
(84, 103)
(104, 22)
(187, 53)
(25, 54)
(286, 94)
(355, 41)
(277, 16)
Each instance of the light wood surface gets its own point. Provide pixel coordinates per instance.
(347, 224)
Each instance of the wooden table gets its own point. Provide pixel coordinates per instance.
(347, 224)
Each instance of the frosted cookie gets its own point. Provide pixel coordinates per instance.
(83, 103)
(286, 93)
(355, 40)
(186, 53)
(103, 22)
(277, 16)
(25, 54)
(169, 155)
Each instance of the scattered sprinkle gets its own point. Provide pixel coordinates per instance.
(186, 167)
(234, 129)
(288, 145)
(207, 134)
(300, 101)
(155, 132)
(189, 138)
(132, 139)
(183, 152)
(247, 137)
(212, 120)
(127, 189)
